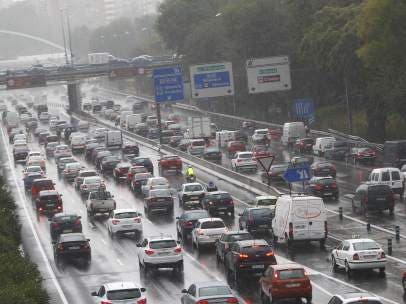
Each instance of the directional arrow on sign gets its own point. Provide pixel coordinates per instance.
(293, 175)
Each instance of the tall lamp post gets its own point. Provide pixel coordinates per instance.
(63, 36)
(70, 38)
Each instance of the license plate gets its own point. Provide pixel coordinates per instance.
(258, 266)
(328, 193)
(127, 226)
(326, 170)
(74, 247)
(173, 167)
(163, 253)
(292, 285)
(263, 226)
(102, 210)
(370, 256)
(161, 200)
(194, 197)
(222, 208)
(381, 199)
(67, 231)
(50, 205)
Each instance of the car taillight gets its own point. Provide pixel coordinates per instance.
(115, 222)
(317, 187)
(86, 246)
(269, 254)
(202, 302)
(239, 160)
(334, 185)
(105, 302)
(178, 250)
(290, 230)
(60, 247)
(149, 251)
(55, 225)
(137, 220)
(77, 222)
(59, 207)
(200, 232)
(142, 301)
(355, 257)
(232, 300)
(189, 224)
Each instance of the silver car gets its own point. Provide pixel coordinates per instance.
(209, 292)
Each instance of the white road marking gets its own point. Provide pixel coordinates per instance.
(34, 232)
(322, 289)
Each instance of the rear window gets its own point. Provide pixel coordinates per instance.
(191, 188)
(72, 238)
(385, 176)
(87, 174)
(124, 215)
(221, 196)
(123, 294)
(214, 291)
(49, 197)
(245, 155)
(198, 143)
(196, 215)
(162, 244)
(395, 175)
(240, 237)
(170, 158)
(92, 180)
(265, 212)
(365, 246)
(291, 274)
(44, 184)
(379, 190)
(212, 224)
(160, 193)
(66, 218)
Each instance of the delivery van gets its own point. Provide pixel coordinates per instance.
(292, 131)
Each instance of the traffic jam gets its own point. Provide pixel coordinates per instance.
(127, 222)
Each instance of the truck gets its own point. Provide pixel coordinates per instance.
(11, 120)
(100, 202)
(98, 58)
(132, 120)
(114, 140)
(199, 127)
(123, 117)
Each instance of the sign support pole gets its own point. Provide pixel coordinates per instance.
(158, 116)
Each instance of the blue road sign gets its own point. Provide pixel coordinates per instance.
(168, 84)
(303, 108)
(212, 80)
(293, 175)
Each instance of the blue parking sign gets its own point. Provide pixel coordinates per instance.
(303, 108)
(168, 83)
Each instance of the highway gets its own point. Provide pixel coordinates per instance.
(115, 259)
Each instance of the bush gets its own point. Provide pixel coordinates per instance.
(21, 282)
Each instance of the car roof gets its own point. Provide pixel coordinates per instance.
(287, 266)
(120, 285)
(252, 242)
(357, 294)
(210, 284)
(217, 192)
(261, 197)
(359, 240)
(73, 235)
(210, 219)
(161, 238)
(192, 184)
(124, 210)
(48, 192)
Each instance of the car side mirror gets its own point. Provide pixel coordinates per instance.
(184, 291)
(143, 289)
(88, 240)
(94, 294)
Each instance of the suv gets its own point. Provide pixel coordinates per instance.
(373, 197)
(39, 185)
(355, 298)
(160, 252)
(191, 195)
(139, 180)
(108, 163)
(124, 221)
(62, 223)
(247, 257)
(186, 221)
(72, 246)
(49, 201)
(256, 219)
(117, 292)
(218, 201)
(227, 238)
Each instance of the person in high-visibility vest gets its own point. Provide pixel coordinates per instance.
(189, 171)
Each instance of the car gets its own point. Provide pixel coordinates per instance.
(51, 138)
(143, 161)
(120, 171)
(119, 293)
(48, 202)
(89, 148)
(247, 258)
(62, 223)
(260, 136)
(323, 186)
(139, 180)
(259, 151)
(357, 254)
(362, 155)
(38, 131)
(218, 202)
(186, 221)
(19, 137)
(158, 200)
(191, 195)
(36, 160)
(130, 149)
(303, 145)
(212, 154)
(206, 231)
(175, 140)
(44, 117)
(72, 246)
(135, 170)
(373, 197)
(108, 163)
(62, 151)
(338, 150)
(152, 133)
(170, 163)
(235, 146)
(61, 162)
(124, 221)
(301, 161)
(227, 238)
(33, 169)
(71, 170)
(160, 252)
(81, 175)
(323, 168)
(355, 298)
(41, 184)
(20, 152)
(285, 281)
(29, 179)
(265, 201)
(100, 155)
(50, 149)
(42, 137)
(209, 292)
(154, 183)
(244, 161)
(91, 183)
(183, 144)
(256, 219)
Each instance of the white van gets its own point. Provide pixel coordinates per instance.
(123, 117)
(299, 218)
(292, 131)
(321, 143)
(223, 137)
(12, 120)
(114, 140)
(388, 176)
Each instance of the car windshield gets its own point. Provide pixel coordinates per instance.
(123, 215)
(364, 301)
(95, 180)
(263, 212)
(52, 145)
(291, 274)
(240, 237)
(196, 215)
(220, 196)
(66, 160)
(191, 188)
(123, 294)
(162, 244)
(267, 202)
(214, 291)
(212, 224)
(160, 193)
(86, 174)
(365, 246)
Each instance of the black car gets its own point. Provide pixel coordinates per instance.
(175, 140)
(218, 202)
(376, 197)
(213, 154)
(109, 104)
(139, 180)
(62, 223)
(72, 246)
(323, 168)
(223, 243)
(130, 149)
(68, 131)
(89, 150)
(186, 221)
(108, 163)
(143, 161)
(256, 219)
(247, 258)
(323, 187)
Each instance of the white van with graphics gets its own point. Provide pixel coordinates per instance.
(299, 218)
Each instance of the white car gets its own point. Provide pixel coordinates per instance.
(260, 135)
(160, 252)
(244, 161)
(190, 195)
(20, 137)
(36, 161)
(154, 183)
(92, 183)
(62, 151)
(354, 254)
(33, 169)
(32, 153)
(119, 293)
(207, 231)
(355, 298)
(124, 221)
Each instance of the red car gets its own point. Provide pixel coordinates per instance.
(304, 145)
(40, 185)
(170, 162)
(49, 202)
(120, 172)
(275, 134)
(134, 170)
(234, 147)
(260, 151)
(363, 155)
(404, 282)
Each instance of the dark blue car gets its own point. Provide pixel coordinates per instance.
(256, 219)
(29, 179)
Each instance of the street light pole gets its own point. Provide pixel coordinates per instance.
(63, 37)
(70, 38)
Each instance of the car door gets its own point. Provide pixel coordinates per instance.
(343, 253)
(336, 252)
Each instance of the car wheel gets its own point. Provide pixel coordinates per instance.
(348, 269)
(334, 263)
(308, 300)
(382, 272)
